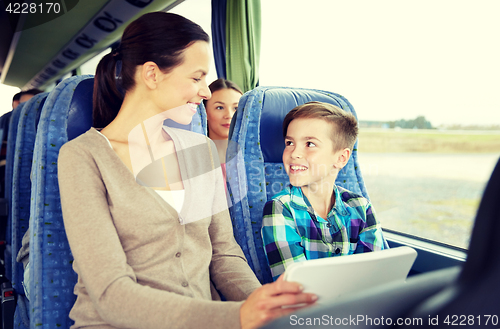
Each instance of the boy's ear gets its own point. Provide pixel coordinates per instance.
(150, 74)
(343, 158)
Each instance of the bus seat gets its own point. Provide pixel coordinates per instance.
(199, 123)
(67, 113)
(4, 208)
(21, 182)
(9, 167)
(254, 166)
(4, 129)
(21, 193)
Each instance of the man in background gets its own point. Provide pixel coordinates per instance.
(24, 96)
(16, 99)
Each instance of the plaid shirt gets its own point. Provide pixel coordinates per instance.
(292, 231)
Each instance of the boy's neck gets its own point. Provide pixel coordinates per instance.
(321, 201)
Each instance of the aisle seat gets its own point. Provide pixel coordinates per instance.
(9, 168)
(67, 113)
(21, 193)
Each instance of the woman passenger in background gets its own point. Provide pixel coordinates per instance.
(220, 110)
(141, 261)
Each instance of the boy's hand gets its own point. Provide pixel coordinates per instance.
(266, 303)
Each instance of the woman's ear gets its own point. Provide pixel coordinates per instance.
(150, 74)
(342, 159)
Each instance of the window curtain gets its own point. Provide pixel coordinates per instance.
(243, 30)
(219, 36)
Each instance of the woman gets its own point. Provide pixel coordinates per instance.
(142, 262)
(220, 110)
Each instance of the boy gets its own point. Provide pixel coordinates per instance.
(312, 218)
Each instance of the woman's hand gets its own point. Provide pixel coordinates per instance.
(265, 303)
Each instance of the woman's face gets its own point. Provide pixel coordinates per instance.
(220, 109)
(181, 90)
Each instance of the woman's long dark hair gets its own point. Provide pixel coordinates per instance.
(158, 37)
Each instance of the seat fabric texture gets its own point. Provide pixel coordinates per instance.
(9, 168)
(254, 166)
(4, 128)
(21, 187)
(21, 197)
(67, 112)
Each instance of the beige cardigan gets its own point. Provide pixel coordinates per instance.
(137, 266)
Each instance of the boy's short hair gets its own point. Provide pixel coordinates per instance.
(345, 131)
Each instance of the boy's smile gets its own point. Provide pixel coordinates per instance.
(310, 158)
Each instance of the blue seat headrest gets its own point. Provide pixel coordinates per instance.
(276, 105)
(80, 109)
(39, 112)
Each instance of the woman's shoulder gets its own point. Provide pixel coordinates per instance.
(89, 141)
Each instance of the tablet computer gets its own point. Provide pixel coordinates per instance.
(341, 276)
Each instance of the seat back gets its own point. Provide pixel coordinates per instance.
(4, 207)
(21, 196)
(21, 181)
(254, 166)
(9, 167)
(199, 123)
(4, 129)
(67, 113)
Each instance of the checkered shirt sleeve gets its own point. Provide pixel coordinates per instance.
(282, 241)
(370, 237)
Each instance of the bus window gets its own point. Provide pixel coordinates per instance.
(90, 66)
(423, 78)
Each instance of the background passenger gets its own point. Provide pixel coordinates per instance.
(24, 96)
(28, 94)
(313, 218)
(138, 266)
(220, 110)
(16, 99)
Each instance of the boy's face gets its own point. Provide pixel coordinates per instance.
(309, 157)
